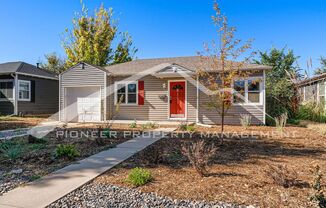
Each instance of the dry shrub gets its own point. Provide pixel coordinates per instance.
(318, 198)
(282, 175)
(199, 154)
(152, 156)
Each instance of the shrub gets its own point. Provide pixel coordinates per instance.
(139, 177)
(11, 150)
(312, 111)
(282, 175)
(67, 151)
(280, 121)
(12, 153)
(318, 197)
(245, 120)
(133, 124)
(199, 154)
(185, 127)
(149, 125)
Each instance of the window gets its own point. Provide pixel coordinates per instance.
(24, 90)
(126, 92)
(6, 90)
(248, 91)
(239, 86)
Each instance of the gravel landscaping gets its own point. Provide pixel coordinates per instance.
(102, 195)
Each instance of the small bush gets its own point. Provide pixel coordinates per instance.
(245, 120)
(185, 127)
(282, 175)
(149, 125)
(66, 151)
(281, 121)
(318, 197)
(312, 111)
(199, 154)
(10, 150)
(133, 124)
(139, 177)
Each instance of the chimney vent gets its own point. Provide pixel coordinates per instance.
(38, 65)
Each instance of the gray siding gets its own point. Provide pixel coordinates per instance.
(211, 116)
(46, 97)
(6, 107)
(156, 105)
(78, 77)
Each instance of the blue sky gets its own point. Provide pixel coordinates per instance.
(165, 28)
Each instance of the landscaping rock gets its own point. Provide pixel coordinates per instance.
(16, 171)
(103, 195)
(7, 185)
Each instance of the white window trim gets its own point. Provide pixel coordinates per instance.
(13, 94)
(126, 93)
(247, 102)
(29, 93)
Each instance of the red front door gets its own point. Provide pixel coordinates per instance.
(177, 99)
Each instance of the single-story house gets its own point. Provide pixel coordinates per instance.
(161, 89)
(27, 89)
(313, 89)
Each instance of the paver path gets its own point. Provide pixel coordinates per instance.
(59, 183)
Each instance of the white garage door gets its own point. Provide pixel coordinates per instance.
(89, 109)
(84, 104)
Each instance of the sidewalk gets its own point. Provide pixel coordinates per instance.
(56, 185)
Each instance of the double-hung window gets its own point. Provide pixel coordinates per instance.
(6, 90)
(126, 93)
(248, 91)
(24, 90)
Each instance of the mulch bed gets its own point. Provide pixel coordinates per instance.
(238, 170)
(7, 123)
(38, 159)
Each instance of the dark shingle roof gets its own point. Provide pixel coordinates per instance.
(189, 62)
(22, 67)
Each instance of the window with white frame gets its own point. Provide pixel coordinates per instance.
(24, 90)
(6, 89)
(126, 92)
(248, 91)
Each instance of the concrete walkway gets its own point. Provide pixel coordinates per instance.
(56, 185)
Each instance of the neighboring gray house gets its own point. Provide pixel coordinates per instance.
(27, 89)
(313, 89)
(153, 90)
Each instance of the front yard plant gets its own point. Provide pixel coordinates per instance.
(10, 150)
(245, 120)
(139, 177)
(185, 127)
(68, 151)
(318, 198)
(199, 154)
(133, 124)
